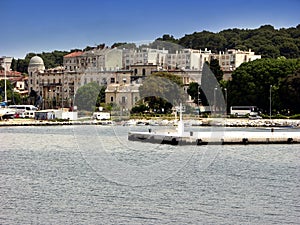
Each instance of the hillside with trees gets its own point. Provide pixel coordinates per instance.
(265, 40)
(51, 60)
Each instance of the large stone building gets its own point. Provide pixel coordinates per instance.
(122, 71)
(46, 85)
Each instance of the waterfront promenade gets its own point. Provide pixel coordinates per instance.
(228, 122)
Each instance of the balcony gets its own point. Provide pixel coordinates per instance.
(50, 84)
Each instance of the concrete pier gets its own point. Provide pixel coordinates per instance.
(227, 137)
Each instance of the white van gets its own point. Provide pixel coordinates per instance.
(101, 115)
(24, 111)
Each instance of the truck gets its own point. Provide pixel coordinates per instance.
(101, 115)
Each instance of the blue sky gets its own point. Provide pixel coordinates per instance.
(43, 26)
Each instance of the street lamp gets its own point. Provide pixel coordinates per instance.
(5, 61)
(225, 91)
(215, 90)
(5, 92)
(270, 101)
(198, 99)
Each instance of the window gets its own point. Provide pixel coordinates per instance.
(112, 80)
(111, 99)
(144, 72)
(123, 99)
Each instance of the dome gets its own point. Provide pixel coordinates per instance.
(36, 61)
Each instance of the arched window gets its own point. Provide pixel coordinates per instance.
(144, 72)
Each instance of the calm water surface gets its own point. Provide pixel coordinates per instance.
(93, 175)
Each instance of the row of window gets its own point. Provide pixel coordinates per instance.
(123, 99)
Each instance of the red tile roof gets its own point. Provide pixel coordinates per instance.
(10, 73)
(73, 54)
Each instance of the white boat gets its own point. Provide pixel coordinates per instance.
(105, 122)
(130, 123)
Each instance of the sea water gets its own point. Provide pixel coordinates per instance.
(94, 175)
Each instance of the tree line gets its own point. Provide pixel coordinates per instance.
(265, 41)
(254, 83)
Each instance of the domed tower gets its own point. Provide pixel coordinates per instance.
(36, 66)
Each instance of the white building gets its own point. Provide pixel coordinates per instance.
(188, 59)
(144, 56)
(232, 58)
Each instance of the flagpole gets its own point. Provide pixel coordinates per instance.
(5, 93)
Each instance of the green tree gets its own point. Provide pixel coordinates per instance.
(216, 69)
(139, 108)
(89, 96)
(265, 40)
(161, 91)
(289, 92)
(250, 84)
(12, 97)
(197, 94)
(168, 38)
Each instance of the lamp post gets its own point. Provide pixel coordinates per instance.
(215, 100)
(6, 60)
(225, 91)
(198, 99)
(270, 101)
(5, 92)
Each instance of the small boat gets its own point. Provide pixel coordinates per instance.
(141, 123)
(129, 123)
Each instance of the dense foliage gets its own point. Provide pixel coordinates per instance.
(265, 40)
(89, 96)
(13, 97)
(197, 94)
(160, 91)
(51, 60)
(252, 83)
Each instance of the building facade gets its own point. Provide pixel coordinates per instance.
(188, 59)
(122, 71)
(232, 59)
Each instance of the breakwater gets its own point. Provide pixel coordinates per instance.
(226, 122)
